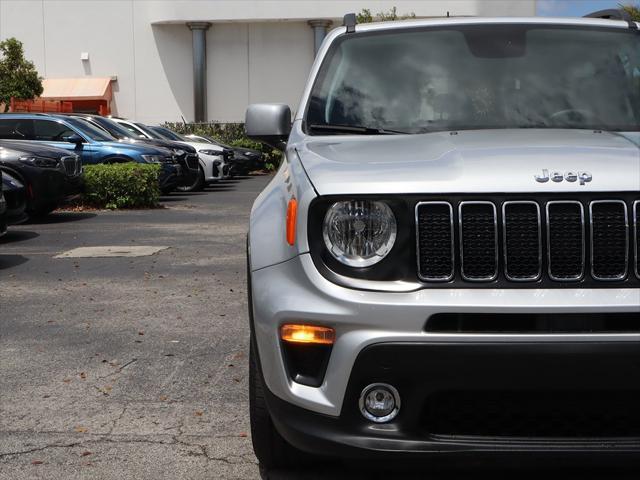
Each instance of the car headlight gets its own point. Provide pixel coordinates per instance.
(359, 233)
(210, 152)
(153, 158)
(40, 162)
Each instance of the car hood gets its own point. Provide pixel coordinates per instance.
(470, 161)
(143, 148)
(170, 144)
(11, 148)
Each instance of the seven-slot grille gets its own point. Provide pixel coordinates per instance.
(192, 161)
(527, 241)
(72, 165)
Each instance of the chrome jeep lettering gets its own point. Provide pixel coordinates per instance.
(558, 177)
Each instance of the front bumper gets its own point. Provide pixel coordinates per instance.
(294, 291)
(598, 374)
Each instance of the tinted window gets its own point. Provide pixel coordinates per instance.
(481, 76)
(94, 133)
(16, 129)
(51, 131)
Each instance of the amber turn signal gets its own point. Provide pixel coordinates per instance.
(292, 213)
(294, 333)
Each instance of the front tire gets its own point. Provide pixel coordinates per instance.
(272, 450)
(197, 184)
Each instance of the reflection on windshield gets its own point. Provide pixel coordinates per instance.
(481, 76)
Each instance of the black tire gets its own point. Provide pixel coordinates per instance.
(272, 450)
(196, 186)
(42, 210)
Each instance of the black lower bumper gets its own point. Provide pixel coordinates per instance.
(494, 404)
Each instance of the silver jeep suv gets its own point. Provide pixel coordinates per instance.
(446, 265)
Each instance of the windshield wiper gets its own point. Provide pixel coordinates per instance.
(354, 129)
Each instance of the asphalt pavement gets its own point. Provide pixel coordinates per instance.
(126, 367)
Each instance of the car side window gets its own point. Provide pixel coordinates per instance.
(51, 131)
(16, 129)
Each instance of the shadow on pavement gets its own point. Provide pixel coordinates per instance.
(9, 261)
(60, 217)
(18, 236)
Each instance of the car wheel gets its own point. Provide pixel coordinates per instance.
(197, 184)
(272, 450)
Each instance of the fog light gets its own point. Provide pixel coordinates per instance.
(379, 402)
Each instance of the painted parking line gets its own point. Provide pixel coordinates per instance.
(111, 251)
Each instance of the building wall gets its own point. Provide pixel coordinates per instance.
(257, 50)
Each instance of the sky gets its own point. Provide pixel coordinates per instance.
(576, 8)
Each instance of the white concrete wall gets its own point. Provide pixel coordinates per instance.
(257, 50)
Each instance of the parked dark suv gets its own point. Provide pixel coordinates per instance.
(50, 175)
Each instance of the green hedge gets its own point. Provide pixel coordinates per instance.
(122, 185)
(232, 134)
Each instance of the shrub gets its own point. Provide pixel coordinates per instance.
(231, 134)
(122, 185)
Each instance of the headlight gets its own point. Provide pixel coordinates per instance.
(40, 162)
(153, 158)
(359, 233)
(210, 152)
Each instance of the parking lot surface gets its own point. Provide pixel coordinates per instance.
(135, 367)
(128, 367)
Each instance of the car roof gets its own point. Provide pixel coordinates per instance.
(436, 22)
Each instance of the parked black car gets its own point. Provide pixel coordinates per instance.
(50, 175)
(15, 198)
(185, 155)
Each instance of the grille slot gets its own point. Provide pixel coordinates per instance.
(565, 240)
(71, 165)
(478, 241)
(522, 237)
(609, 239)
(434, 221)
(636, 235)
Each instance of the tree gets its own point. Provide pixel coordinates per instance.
(18, 76)
(365, 16)
(633, 10)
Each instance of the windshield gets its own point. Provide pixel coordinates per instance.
(115, 129)
(167, 134)
(477, 77)
(94, 133)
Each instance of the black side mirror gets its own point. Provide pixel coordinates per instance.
(74, 138)
(269, 123)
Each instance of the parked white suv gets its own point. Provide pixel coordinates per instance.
(446, 266)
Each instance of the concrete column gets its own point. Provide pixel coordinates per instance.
(319, 32)
(199, 34)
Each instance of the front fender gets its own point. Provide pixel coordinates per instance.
(267, 229)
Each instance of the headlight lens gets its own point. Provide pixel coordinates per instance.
(40, 162)
(359, 233)
(153, 158)
(210, 152)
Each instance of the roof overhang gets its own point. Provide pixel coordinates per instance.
(84, 88)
